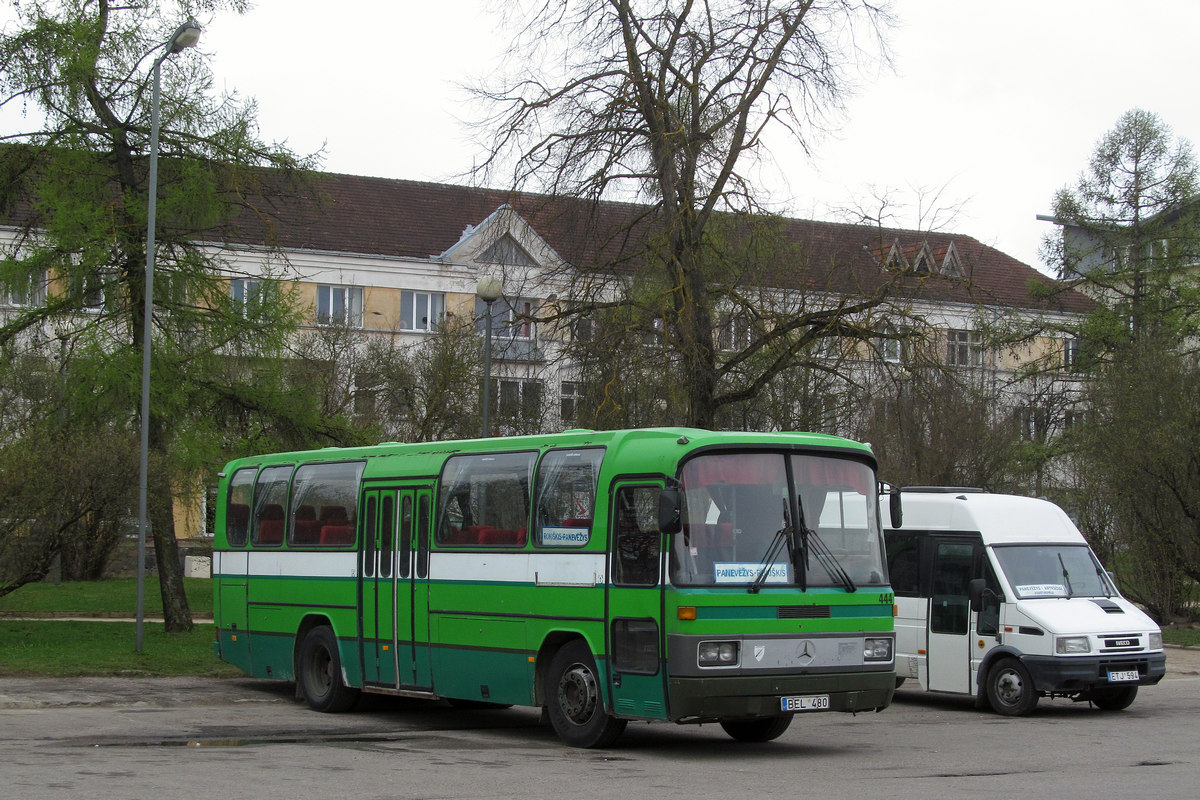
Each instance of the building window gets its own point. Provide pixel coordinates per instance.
(733, 332)
(570, 400)
(244, 293)
(25, 292)
(511, 319)
(340, 305)
(87, 288)
(518, 399)
(1070, 354)
(421, 311)
(965, 349)
(519, 324)
(891, 349)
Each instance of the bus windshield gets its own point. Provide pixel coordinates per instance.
(737, 505)
(1053, 570)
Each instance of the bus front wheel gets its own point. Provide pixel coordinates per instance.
(320, 672)
(574, 702)
(1010, 688)
(757, 730)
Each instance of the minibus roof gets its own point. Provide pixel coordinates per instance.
(1001, 518)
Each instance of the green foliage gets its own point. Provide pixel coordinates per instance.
(76, 184)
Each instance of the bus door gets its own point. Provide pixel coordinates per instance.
(949, 641)
(379, 587)
(414, 507)
(636, 674)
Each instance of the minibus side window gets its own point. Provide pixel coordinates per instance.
(904, 563)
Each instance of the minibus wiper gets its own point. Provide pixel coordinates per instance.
(1066, 576)
(829, 561)
(782, 536)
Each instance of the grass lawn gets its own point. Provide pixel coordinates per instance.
(111, 598)
(64, 648)
(1188, 637)
(67, 648)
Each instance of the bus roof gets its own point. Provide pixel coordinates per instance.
(1001, 518)
(628, 441)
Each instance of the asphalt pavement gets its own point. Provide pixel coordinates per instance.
(135, 691)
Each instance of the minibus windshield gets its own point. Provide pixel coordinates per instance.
(740, 526)
(1053, 570)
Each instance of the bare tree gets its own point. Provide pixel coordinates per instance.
(667, 104)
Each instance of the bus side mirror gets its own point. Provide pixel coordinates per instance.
(895, 510)
(670, 518)
(975, 593)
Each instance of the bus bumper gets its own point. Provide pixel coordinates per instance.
(1057, 674)
(732, 697)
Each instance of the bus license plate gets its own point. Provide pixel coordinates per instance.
(1117, 676)
(810, 702)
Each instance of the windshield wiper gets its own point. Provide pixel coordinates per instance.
(829, 561)
(1066, 576)
(782, 536)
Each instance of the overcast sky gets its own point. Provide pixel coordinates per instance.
(995, 104)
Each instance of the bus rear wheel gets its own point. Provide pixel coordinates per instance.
(757, 730)
(1010, 688)
(319, 671)
(574, 702)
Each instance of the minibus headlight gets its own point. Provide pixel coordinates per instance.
(877, 649)
(718, 654)
(1155, 641)
(1064, 645)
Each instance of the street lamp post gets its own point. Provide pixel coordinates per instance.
(185, 36)
(489, 291)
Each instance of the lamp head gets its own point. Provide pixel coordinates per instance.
(185, 36)
(489, 289)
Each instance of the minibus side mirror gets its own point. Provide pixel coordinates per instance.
(670, 518)
(895, 510)
(975, 589)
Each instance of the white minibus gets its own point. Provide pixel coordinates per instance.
(1000, 597)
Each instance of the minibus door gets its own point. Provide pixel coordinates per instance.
(636, 673)
(379, 585)
(949, 642)
(412, 595)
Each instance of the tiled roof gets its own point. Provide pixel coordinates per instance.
(412, 219)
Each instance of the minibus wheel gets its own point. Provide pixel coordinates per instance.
(757, 730)
(574, 702)
(1010, 688)
(319, 671)
(1113, 699)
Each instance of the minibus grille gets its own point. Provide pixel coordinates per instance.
(803, 612)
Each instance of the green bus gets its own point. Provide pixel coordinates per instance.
(670, 574)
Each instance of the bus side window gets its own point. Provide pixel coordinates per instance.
(566, 496)
(485, 500)
(237, 508)
(270, 500)
(904, 563)
(325, 504)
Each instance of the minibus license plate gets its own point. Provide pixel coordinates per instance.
(1122, 675)
(810, 702)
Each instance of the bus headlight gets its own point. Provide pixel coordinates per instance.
(718, 654)
(877, 649)
(1155, 641)
(1065, 645)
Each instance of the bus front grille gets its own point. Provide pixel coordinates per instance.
(803, 612)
